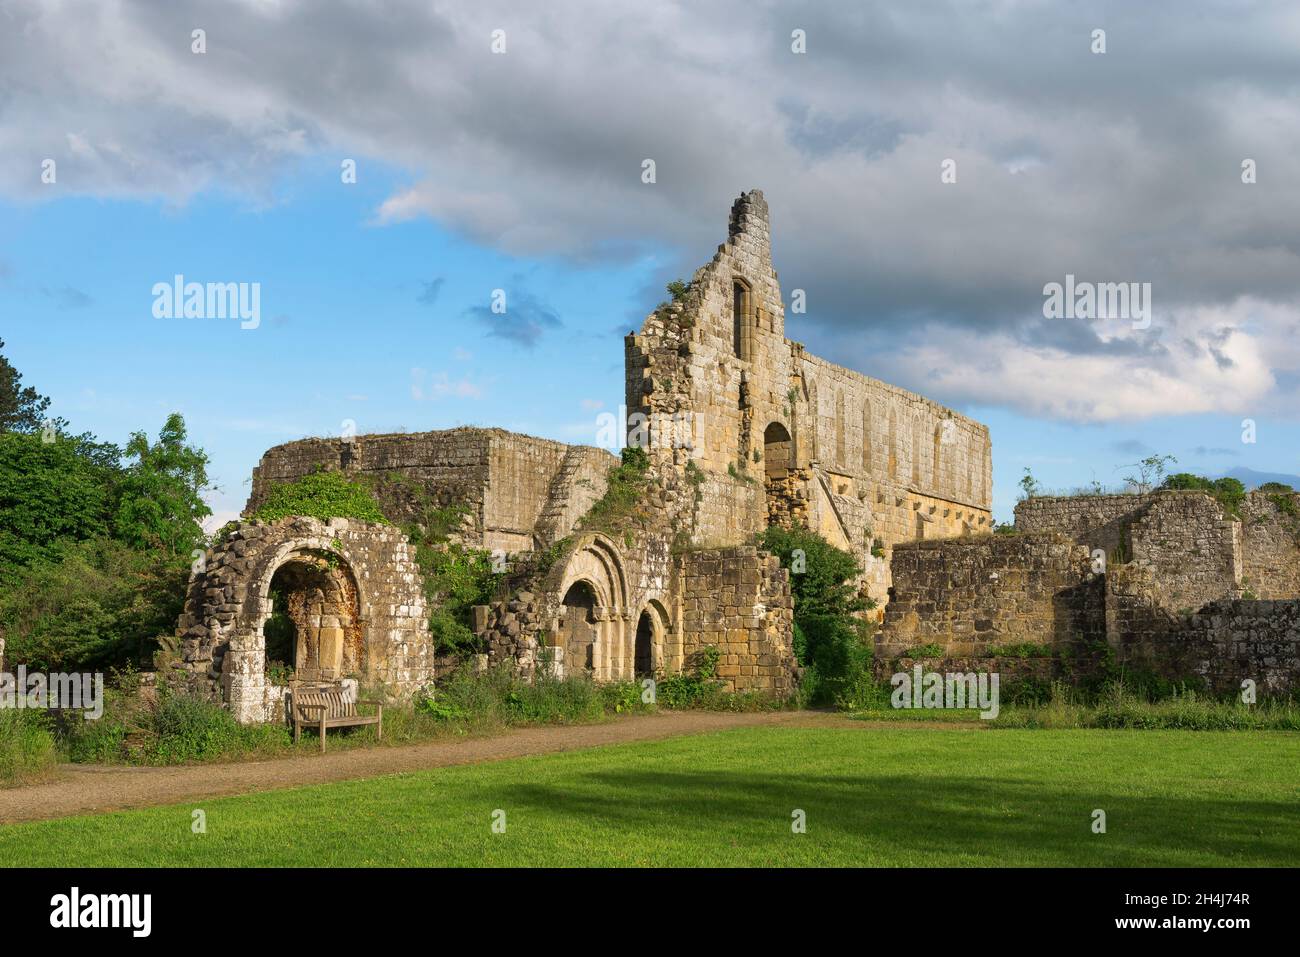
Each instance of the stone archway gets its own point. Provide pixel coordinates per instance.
(597, 563)
(783, 506)
(577, 635)
(312, 626)
(351, 604)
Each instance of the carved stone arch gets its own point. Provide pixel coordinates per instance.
(353, 606)
(598, 641)
(653, 627)
(328, 607)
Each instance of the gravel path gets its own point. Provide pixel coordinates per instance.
(94, 789)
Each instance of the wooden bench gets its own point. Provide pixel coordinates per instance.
(325, 708)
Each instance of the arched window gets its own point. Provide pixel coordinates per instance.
(742, 320)
(814, 421)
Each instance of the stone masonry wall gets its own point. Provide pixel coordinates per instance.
(1256, 640)
(383, 628)
(719, 355)
(971, 595)
(509, 482)
(738, 599)
(1270, 534)
(1194, 549)
(1098, 521)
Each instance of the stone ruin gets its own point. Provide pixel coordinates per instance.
(742, 427)
(1169, 581)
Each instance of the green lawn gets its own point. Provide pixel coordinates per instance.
(875, 796)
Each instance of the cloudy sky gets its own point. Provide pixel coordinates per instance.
(522, 170)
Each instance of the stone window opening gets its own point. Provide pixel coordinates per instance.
(916, 451)
(782, 502)
(578, 627)
(893, 444)
(643, 656)
(742, 320)
(312, 631)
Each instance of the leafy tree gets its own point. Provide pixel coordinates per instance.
(828, 638)
(22, 409)
(1029, 485)
(51, 494)
(1150, 472)
(160, 502)
(95, 604)
(1228, 492)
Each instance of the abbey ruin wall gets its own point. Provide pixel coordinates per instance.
(864, 463)
(970, 596)
(1168, 579)
(517, 488)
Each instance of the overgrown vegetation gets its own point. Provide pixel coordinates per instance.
(95, 540)
(627, 482)
(27, 752)
(831, 642)
(322, 495)
(1228, 492)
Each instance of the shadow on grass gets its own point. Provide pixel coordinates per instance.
(931, 818)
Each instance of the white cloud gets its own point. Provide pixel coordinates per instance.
(439, 385)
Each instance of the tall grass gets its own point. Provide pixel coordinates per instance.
(27, 750)
(1118, 705)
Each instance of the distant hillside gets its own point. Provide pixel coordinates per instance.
(1252, 479)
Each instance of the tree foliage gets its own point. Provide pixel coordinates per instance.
(22, 408)
(829, 638)
(160, 502)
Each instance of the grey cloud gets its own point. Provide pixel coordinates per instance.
(429, 295)
(524, 322)
(1121, 167)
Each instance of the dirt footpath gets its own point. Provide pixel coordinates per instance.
(93, 789)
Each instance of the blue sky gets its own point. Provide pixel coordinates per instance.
(521, 170)
(359, 318)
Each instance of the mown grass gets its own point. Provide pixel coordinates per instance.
(872, 796)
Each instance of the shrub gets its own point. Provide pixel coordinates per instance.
(27, 752)
(830, 642)
(96, 605)
(322, 495)
(1228, 492)
(627, 481)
